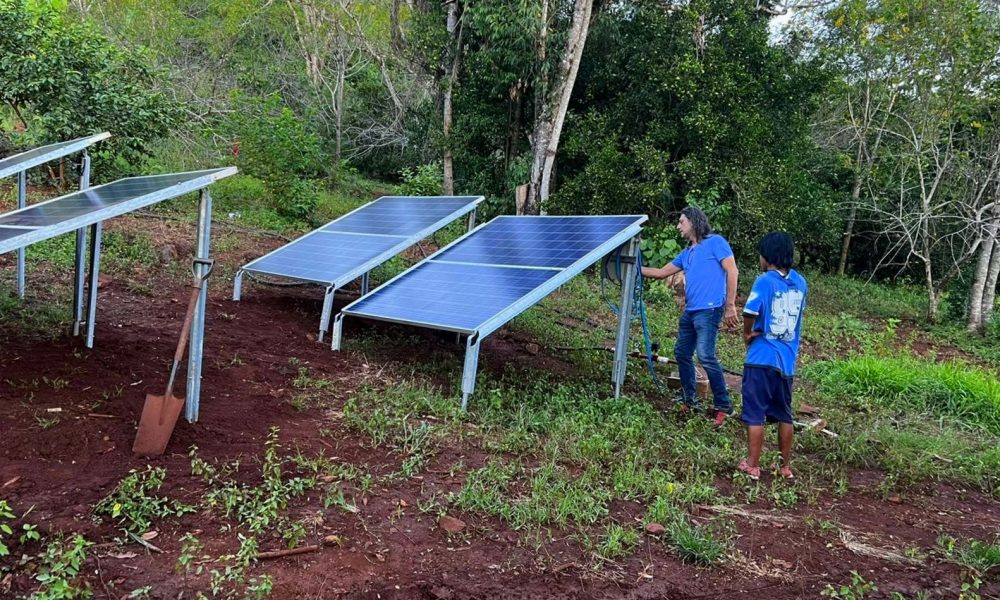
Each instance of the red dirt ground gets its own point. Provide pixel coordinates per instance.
(390, 549)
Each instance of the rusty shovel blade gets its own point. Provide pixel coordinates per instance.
(156, 425)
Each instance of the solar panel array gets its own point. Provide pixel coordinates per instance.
(39, 156)
(474, 283)
(347, 247)
(72, 211)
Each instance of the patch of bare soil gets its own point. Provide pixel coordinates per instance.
(69, 416)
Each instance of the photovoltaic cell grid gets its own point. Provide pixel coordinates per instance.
(467, 284)
(86, 207)
(39, 156)
(363, 238)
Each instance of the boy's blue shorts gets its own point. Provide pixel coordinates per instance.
(767, 396)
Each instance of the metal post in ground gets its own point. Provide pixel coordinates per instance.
(79, 274)
(22, 201)
(193, 404)
(470, 368)
(625, 317)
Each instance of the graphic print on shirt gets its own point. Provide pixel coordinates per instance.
(785, 310)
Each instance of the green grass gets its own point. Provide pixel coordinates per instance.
(833, 295)
(965, 394)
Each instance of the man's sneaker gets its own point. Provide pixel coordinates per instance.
(719, 419)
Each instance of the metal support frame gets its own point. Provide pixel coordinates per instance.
(192, 406)
(365, 281)
(81, 252)
(625, 316)
(338, 330)
(238, 286)
(472, 219)
(324, 320)
(95, 270)
(22, 201)
(470, 368)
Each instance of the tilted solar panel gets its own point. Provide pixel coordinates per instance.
(39, 156)
(349, 247)
(79, 209)
(450, 296)
(486, 278)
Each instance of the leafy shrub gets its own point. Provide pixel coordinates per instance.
(275, 147)
(659, 246)
(425, 180)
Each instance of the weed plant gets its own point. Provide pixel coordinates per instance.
(133, 505)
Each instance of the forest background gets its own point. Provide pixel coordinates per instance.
(866, 128)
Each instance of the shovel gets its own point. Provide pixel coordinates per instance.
(160, 413)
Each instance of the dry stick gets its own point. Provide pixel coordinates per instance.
(288, 552)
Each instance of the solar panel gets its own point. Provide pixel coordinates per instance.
(486, 278)
(466, 285)
(39, 156)
(79, 209)
(349, 247)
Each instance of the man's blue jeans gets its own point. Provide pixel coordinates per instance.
(698, 330)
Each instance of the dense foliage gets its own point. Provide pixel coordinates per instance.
(866, 129)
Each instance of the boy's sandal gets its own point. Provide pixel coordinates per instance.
(751, 472)
(785, 472)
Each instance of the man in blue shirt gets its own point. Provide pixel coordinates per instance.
(709, 297)
(772, 325)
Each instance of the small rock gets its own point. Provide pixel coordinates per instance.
(895, 499)
(532, 349)
(451, 524)
(655, 529)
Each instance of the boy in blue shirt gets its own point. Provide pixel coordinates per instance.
(772, 325)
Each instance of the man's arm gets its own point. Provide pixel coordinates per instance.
(662, 273)
(748, 333)
(732, 279)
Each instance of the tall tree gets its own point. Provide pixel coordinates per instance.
(553, 88)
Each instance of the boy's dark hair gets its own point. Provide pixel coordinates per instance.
(698, 220)
(778, 249)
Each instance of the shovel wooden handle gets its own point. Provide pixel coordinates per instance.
(199, 283)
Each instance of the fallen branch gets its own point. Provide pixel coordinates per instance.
(288, 552)
(144, 542)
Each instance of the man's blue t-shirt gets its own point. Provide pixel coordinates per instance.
(777, 301)
(704, 277)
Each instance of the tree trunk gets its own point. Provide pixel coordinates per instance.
(339, 102)
(990, 291)
(554, 103)
(454, 43)
(976, 323)
(849, 227)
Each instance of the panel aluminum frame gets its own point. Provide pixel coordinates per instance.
(629, 235)
(39, 156)
(362, 269)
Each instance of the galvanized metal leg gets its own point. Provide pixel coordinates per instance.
(238, 286)
(95, 271)
(22, 201)
(324, 321)
(624, 319)
(79, 278)
(469, 371)
(472, 220)
(364, 283)
(80, 259)
(338, 330)
(193, 404)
